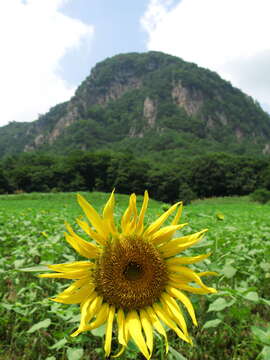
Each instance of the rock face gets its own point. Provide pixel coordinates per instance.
(65, 121)
(150, 111)
(116, 90)
(141, 95)
(266, 149)
(190, 100)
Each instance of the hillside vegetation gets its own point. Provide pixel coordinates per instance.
(151, 104)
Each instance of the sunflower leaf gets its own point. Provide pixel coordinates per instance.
(35, 268)
(265, 353)
(100, 331)
(229, 271)
(40, 325)
(252, 296)
(219, 304)
(175, 355)
(74, 353)
(59, 344)
(263, 336)
(211, 323)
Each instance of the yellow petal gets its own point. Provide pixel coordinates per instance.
(165, 234)
(93, 217)
(93, 309)
(192, 289)
(101, 317)
(140, 226)
(157, 324)
(178, 245)
(135, 330)
(108, 213)
(75, 286)
(184, 272)
(120, 352)
(121, 327)
(90, 232)
(186, 260)
(66, 275)
(73, 266)
(148, 329)
(157, 224)
(129, 218)
(83, 247)
(178, 214)
(75, 297)
(108, 334)
(179, 277)
(85, 308)
(169, 322)
(168, 301)
(185, 300)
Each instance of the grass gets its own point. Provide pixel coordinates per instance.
(233, 324)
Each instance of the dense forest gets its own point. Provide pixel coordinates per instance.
(216, 174)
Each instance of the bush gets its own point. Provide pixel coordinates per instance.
(186, 194)
(261, 195)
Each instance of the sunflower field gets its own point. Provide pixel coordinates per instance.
(233, 323)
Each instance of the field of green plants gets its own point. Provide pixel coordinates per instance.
(234, 324)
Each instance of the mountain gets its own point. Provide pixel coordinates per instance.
(149, 104)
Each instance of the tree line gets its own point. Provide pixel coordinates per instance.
(216, 174)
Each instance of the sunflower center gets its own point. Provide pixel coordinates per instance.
(133, 271)
(130, 274)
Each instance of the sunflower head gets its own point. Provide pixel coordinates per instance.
(135, 275)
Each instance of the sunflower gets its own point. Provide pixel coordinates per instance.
(133, 275)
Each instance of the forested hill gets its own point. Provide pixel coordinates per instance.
(147, 103)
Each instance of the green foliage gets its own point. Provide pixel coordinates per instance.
(4, 183)
(222, 174)
(261, 195)
(183, 179)
(233, 324)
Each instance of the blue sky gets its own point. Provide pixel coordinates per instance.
(117, 30)
(48, 47)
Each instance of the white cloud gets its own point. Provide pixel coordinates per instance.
(34, 36)
(230, 37)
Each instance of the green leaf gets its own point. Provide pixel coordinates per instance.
(100, 331)
(265, 301)
(218, 305)
(18, 263)
(175, 355)
(42, 324)
(263, 336)
(265, 353)
(59, 344)
(265, 266)
(229, 271)
(50, 358)
(252, 296)
(75, 318)
(211, 323)
(35, 268)
(74, 354)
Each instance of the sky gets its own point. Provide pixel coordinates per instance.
(48, 47)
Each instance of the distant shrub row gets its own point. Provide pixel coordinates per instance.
(186, 179)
